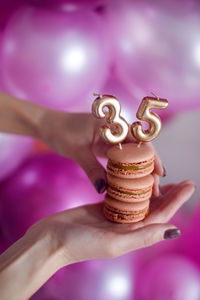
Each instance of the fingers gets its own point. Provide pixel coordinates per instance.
(156, 185)
(166, 188)
(158, 167)
(95, 171)
(171, 202)
(101, 148)
(145, 236)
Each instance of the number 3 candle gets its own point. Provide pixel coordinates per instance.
(113, 118)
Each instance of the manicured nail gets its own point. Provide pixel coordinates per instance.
(100, 185)
(164, 172)
(172, 234)
(160, 190)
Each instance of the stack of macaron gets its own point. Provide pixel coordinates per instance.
(129, 181)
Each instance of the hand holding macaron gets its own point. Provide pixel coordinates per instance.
(80, 234)
(84, 233)
(76, 136)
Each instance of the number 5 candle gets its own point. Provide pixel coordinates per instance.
(144, 113)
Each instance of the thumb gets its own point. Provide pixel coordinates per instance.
(94, 170)
(147, 236)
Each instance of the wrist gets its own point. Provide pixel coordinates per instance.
(20, 117)
(37, 256)
(60, 242)
(43, 236)
(51, 236)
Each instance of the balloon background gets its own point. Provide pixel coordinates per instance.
(57, 54)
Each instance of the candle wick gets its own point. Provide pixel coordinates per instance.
(155, 95)
(139, 144)
(120, 146)
(98, 95)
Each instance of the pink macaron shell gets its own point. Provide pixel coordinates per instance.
(129, 198)
(131, 153)
(121, 212)
(117, 188)
(123, 219)
(130, 174)
(131, 184)
(126, 207)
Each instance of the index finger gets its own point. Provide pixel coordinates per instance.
(158, 166)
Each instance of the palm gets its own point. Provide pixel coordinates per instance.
(100, 238)
(162, 209)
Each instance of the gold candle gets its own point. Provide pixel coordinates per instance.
(113, 117)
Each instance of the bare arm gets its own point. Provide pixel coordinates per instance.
(73, 135)
(26, 265)
(20, 117)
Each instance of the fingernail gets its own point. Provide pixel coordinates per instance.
(160, 190)
(164, 172)
(172, 234)
(100, 185)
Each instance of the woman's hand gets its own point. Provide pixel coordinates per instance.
(80, 234)
(84, 233)
(76, 136)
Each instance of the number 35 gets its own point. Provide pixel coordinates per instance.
(143, 113)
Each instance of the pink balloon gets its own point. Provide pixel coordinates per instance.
(55, 58)
(3, 243)
(157, 50)
(114, 87)
(63, 4)
(169, 278)
(167, 247)
(7, 8)
(109, 279)
(13, 150)
(129, 104)
(191, 244)
(45, 184)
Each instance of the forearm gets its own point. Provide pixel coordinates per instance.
(27, 265)
(20, 117)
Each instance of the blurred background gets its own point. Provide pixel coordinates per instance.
(57, 53)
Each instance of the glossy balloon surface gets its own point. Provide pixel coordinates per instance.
(55, 58)
(43, 185)
(13, 150)
(169, 278)
(157, 49)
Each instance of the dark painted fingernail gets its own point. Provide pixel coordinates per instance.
(160, 190)
(100, 186)
(164, 172)
(172, 234)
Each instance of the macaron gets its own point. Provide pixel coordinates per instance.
(130, 190)
(132, 161)
(125, 212)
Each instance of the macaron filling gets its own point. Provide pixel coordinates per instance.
(125, 214)
(133, 167)
(135, 193)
